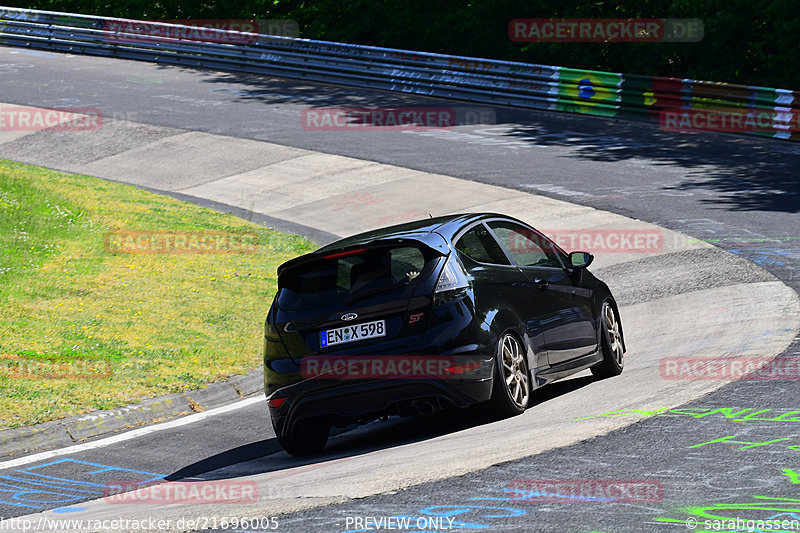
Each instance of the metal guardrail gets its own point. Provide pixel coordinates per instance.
(486, 81)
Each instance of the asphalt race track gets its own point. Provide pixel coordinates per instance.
(459, 471)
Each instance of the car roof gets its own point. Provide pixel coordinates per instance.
(447, 226)
(436, 232)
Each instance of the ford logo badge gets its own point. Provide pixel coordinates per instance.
(349, 316)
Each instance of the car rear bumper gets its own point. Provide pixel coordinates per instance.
(339, 402)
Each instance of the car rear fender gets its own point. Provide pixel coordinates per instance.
(504, 320)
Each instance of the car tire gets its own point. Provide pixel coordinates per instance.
(306, 437)
(610, 342)
(511, 389)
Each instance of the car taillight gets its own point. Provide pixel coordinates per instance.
(276, 402)
(345, 254)
(462, 369)
(452, 281)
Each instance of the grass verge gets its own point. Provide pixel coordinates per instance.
(89, 325)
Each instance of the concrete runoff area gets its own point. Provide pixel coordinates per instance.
(704, 303)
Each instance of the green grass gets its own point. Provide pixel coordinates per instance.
(159, 322)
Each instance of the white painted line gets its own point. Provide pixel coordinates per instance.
(136, 433)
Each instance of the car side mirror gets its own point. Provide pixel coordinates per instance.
(579, 260)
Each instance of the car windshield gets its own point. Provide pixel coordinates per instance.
(341, 279)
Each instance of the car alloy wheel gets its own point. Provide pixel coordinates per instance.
(515, 371)
(612, 327)
(611, 343)
(511, 390)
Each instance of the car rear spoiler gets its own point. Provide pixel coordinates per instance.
(432, 241)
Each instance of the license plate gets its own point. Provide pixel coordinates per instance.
(356, 332)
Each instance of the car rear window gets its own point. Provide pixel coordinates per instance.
(343, 279)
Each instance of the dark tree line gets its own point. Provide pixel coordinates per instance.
(752, 42)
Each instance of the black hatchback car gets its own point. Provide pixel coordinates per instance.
(410, 319)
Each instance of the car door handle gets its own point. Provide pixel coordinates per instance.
(541, 283)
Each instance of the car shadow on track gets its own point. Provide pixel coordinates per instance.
(267, 455)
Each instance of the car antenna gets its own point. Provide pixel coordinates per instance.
(430, 215)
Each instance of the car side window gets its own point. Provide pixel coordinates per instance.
(525, 246)
(478, 244)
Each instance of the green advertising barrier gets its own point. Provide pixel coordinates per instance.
(589, 92)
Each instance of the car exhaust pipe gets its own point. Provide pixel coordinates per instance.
(425, 408)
